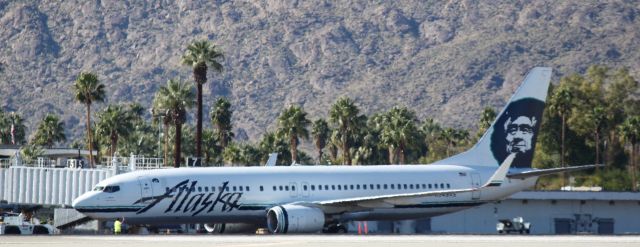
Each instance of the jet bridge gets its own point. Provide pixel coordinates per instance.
(47, 186)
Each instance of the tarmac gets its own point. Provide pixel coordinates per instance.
(317, 240)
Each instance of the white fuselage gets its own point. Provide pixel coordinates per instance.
(244, 194)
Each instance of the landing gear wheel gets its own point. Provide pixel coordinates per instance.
(335, 228)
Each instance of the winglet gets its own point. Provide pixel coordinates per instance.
(273, 157)
(501, 173)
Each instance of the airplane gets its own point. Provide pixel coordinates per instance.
(310, 199)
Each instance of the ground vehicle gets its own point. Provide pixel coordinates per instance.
(15, 224)
(517, 225)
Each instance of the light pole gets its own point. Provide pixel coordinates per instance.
(161, 116)
(13, 117)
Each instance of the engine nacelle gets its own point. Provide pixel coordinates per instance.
(295, 219)
(237, 228)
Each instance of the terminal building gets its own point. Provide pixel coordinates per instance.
(549, 212)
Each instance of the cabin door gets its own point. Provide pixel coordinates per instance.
(146, 189)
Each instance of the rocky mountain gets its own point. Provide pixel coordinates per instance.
(444, 59)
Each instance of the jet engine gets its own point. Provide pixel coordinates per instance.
(238, 228)
(295, 219)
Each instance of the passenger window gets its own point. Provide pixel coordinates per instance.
(364, 186)
(399, 186)
(435, 186)
(351, 187)
(206, 189)
(385, 186)
(405, 186)
(333, 187)
(424, 186)
(345, 187)
(247, 188)
(339, 187)
(313, 187)
(411, 186)
(429, 186)
(213, 188)
(357, 186)
(193, 189)
(166, 189)
(240, 188)
(319, 187)
(393, 187)
(448, 186)
(261, 188)
(293, 188)
(441, 186)
(286, 188)
(326, 187)
(274, 188)
(234, 188)
(377, 186)
(370, 186)
(281, 188)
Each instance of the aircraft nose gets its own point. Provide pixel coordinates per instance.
(82, 201)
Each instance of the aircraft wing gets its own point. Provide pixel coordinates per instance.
(544, 172)
(496, 179)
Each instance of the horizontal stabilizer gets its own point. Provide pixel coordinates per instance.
(544, 172)
(498, 177)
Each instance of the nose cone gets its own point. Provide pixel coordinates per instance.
(83, 201)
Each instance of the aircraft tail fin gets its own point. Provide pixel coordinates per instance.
(514, 130)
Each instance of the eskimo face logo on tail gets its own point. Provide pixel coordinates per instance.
(516, 131)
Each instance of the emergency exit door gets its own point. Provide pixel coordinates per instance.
(475, 183)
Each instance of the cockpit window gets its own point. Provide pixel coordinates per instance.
(98, 188)
(111, 189)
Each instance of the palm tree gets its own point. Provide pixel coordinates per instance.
(399, 126)
(320, 131)
(292, 125)
(221, 119)
(344, 115)
(50, 130)
(630, 133)
(598, 118)
(115, 122)
(449, 136)
(200, 55)
(272, 143)
(561, 102)
(12, 128)
(88, 90)
(174, 99)
(431, 130)
(486, 118)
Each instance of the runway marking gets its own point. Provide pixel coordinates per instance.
(317, 241)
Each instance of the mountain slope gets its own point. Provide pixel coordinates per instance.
(445, 59)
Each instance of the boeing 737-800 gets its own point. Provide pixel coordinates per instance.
(305, 199)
